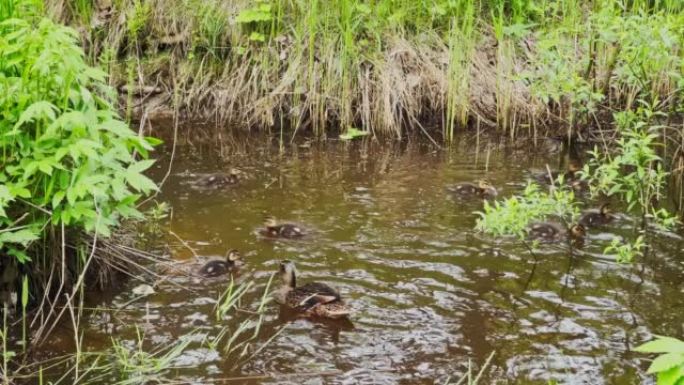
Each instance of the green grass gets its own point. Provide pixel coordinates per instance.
(389, 66)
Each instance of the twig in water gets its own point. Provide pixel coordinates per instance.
(186, 245)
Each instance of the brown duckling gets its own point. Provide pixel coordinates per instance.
(312, 299)
(219, 180)
(579, 185)
(548, 232)
(594, 217)
(482, 188)
(217, 268)
(572, 174)
(273, 229)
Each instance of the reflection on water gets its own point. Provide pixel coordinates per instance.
(429, 293)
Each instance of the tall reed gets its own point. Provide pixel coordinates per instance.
(390, 65)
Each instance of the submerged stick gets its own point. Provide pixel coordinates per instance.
(279, 376)
(186, 245)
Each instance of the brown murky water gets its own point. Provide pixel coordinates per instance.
(429, 293)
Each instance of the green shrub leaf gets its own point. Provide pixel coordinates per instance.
(666, 362)
(662, 345)
(140, 182)
(22, 237)
(353, 133)
(141, 166)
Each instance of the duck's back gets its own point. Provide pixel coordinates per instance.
(544, 231)
(289, 230)
(214, 268)
(312, 294)
(592, 218)
(465, 188)
(286, 230)
(319, 288)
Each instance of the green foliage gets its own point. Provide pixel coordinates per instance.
(512, 215)
(67, 159)
(138, 18)
(83, 9)
(140, 366)
(257, 19)
(212, 27)
(669, 366)
(260, 12)
(239, 339)
(229, 299)
(625, 252)
(558, 75)
(650, 49)
(634, 173)
(353, 133)
(576, 64)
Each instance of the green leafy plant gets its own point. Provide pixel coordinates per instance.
(138, 17)
(140, 366)
(512, 215)
(257, 19)
(68, 163)
(212, 29)
(625, 252)
(151, 227)
(669, 365)
(353, 133)
(261, 12)
(635, 172)
(241, 338)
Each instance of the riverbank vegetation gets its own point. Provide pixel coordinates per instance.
(390, 66)
(71, 172)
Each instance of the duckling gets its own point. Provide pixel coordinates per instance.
(579, 185)
(482, 188)
(549, 232)
(220, 180)
(312, 299)
(273, 229)
(569, 176)
(217, 268)
(594, 217)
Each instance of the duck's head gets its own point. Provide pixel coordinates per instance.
(577, 231)
(270, 221)
(288, 273)
(486, 187)
(234, 257)
(573, 167)
(234, 175)
(484, 184)
(578, 185)
(605, 209)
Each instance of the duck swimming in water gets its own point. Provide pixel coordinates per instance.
(482, 188)
(219, 180)
(548, 232)
(569, 176)
(273, 229)
(594, 217)
(217, 268)
(312, 299)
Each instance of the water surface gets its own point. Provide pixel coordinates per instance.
(429, 292)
